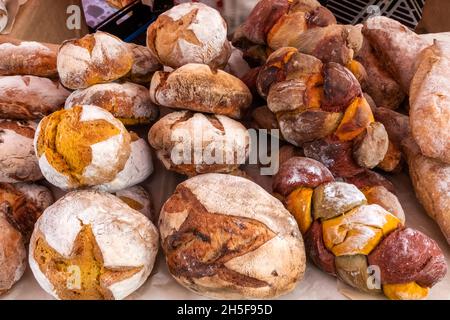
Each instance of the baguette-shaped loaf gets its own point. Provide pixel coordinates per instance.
(430, 102)
(27, 58)
(30, 97)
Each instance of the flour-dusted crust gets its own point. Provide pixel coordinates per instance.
(30, 97)
(197, 87)
(139, 199)
(107, 157)
(95, 58)
(144, 65)
(189, 33)
(3, 16)
(125, 237)
(430, 102)
(264, 256)
(27, 58)
(431, 180)
(212, 143)
(12, 252)
(397, 46)
(18, 161)
(127, 101)
(138, 168)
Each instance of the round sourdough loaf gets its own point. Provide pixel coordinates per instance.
(128, 102)
(190, 33)
(225, 237)
(197, 87)
(18, 161)
(194, 143)
(95, 58)
(92, 245)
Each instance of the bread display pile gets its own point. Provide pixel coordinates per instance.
(83, 122)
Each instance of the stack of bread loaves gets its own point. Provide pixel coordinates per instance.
(191, 39)
(29, 90)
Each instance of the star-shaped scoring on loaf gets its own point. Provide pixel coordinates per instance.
(82, 275)
(206, 241)
(66, 140)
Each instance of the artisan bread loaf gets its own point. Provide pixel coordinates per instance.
(225, 237)
(430, 102)
(95, 58)
(139, 199)
(128, 102)
(30, 97)
(27, 58)
(193, 143)
(344, 234)
(92, 245)
(18, 161)
(198, 88)
(189, 33)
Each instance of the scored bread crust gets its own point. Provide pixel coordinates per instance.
(197, 87)
(127, 101)
(218, 134)
(125, 237)
(276, 265)
(30, 97)
(95, 58)
(430, 102)
(18, 161)
(109, 156)
(179, 36)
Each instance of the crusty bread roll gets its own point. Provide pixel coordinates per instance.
(128, 102)
(27, 201)
(139, 199)
(198, 88)
(12, 251)
(27, 58)
(189, 33)
(144, 65)
(95, 58)
(18, 161)
(82, 146)
(30, 97)
(397, 46)
(92, 245)
(194, 143)
(225, 237)
(430, 102)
